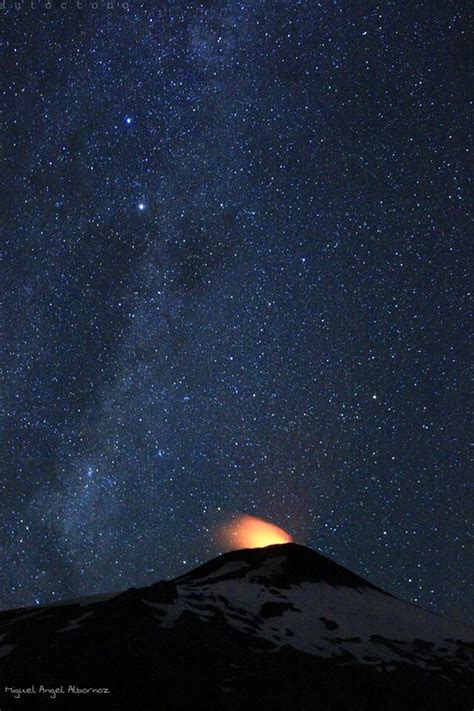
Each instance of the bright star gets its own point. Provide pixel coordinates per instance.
(141, 206)
(128, 120)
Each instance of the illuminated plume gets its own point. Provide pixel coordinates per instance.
(252, 532)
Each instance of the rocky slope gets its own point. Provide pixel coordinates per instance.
(280, 627)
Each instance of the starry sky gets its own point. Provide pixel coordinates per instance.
(234, 280)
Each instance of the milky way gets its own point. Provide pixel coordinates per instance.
(235, 281)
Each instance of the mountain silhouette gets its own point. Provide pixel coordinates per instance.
(280, 627)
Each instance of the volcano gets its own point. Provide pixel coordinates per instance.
(278, 628)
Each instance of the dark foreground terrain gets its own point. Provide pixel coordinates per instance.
(270, 628)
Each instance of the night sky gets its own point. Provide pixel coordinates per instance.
(235, 280)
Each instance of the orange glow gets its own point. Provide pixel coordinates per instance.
(252, 532)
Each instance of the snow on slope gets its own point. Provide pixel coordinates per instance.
(318, 618)
(289, 596)
(279, 627)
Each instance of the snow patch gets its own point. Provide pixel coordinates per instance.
(372, 627)
(74, 624)
(6, 649)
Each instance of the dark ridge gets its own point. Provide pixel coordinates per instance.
(202, 661)
(301, 564)
(276, 609)
(330, 624)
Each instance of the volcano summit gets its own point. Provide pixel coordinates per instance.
(280, 627)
